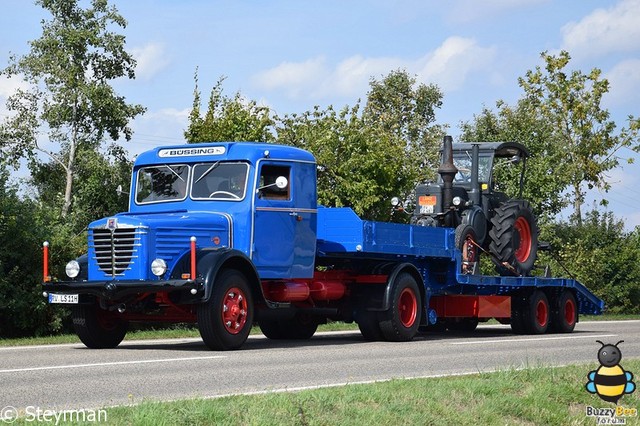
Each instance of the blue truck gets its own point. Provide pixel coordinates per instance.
(228, 235)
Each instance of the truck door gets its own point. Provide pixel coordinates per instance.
(284, 227)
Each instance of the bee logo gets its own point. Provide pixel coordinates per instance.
(610, 381)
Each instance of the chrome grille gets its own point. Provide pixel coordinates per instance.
(115, 250)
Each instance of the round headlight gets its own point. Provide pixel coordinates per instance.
(158, 267)
(72, 269)
(456, 201)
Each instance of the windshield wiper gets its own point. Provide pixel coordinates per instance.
(213, 166)
(174, 172)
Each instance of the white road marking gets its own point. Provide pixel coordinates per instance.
(107, 364)
(533, 339)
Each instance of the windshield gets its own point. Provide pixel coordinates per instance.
(462, 161)
(209, 181)
(162, 183)
(221, 181)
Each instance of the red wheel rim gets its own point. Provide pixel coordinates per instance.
(234, 310)
(542, 313)
(524, 247)
(569, 312)
(408, 307)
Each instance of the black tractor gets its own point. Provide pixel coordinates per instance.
(465, 197)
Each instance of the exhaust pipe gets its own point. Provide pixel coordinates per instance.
(448, 171)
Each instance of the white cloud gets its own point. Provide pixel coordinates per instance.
(294, 77)
(151, 59)
(448, 66)
(624, 80)
(616, 29)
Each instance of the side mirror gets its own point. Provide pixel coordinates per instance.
(119, 191)
(282, 182)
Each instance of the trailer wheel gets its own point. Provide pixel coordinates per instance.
(225, 320)
(97, 328)
(536, 313)
(518, 305)
(514, 238)
(301, 327)
(401, 321)
(565, 313)
(466, 241)
(464, 325)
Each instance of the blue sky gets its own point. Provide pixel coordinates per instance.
(292, 55)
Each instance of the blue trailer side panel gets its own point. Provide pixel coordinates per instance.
(341, 232)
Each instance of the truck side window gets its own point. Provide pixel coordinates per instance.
(269, 190)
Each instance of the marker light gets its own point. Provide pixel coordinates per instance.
(158, 267)
(72, 269)
(457, 201)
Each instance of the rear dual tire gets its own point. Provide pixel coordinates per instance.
(536, 315)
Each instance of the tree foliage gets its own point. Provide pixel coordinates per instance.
(228, 119)
(584, 134)
(602, 256)
(69, 100)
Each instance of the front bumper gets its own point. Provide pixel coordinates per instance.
(115, 290)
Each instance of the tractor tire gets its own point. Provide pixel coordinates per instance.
(225, 320)
(514, 238)
(97, 328)
(400, 323)
(465, 237)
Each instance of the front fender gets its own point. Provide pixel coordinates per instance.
(211, 261)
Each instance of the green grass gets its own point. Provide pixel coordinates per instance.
(185, 331)
(533, 396)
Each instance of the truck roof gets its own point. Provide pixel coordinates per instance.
(214, 151)
(500, 149)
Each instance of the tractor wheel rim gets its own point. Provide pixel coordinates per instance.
(569, 312)
(542, 313)
(234, 310)
(408, 307)
(524, 247)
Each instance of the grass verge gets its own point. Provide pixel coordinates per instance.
(533, 396)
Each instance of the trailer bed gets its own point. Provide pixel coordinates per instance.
(341, 233)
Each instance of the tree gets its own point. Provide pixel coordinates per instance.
(228, 119)
(365, 158)
(69, 99)
(582, 129)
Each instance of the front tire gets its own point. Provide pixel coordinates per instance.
(225, 320)
(514, 238)
(97, 328)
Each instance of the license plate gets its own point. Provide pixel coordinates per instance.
(426, 209)
(63, 298)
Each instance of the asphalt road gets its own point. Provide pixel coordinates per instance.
(73, 377)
